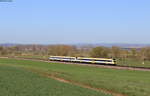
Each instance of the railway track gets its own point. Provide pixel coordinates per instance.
(92, 65)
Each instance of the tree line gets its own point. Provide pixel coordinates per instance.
(77, 51)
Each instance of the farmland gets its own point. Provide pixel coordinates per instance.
(16, 81)
(126, 82)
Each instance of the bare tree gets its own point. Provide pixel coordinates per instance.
(116, 52)
(61, 50)
(101, 52)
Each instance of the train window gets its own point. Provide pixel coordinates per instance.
(104, 60)
(85, 59)
(67, 58)
(97, 60)
(55, 57)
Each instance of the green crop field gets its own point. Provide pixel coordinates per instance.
(18, 78)
(16, 81)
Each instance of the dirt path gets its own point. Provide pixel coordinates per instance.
(54, 76)
(86, 86)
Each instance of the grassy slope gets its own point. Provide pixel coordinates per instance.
(131, 83)
(16, 81)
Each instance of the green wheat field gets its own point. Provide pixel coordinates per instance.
(26, 78)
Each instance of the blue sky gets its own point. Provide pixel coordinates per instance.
(75, 21)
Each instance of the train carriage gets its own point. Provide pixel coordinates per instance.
(97, 60)
(83, 60)
(61, 58)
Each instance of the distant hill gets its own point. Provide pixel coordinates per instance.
(8, 44)
(122, 45)
(126, 45)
